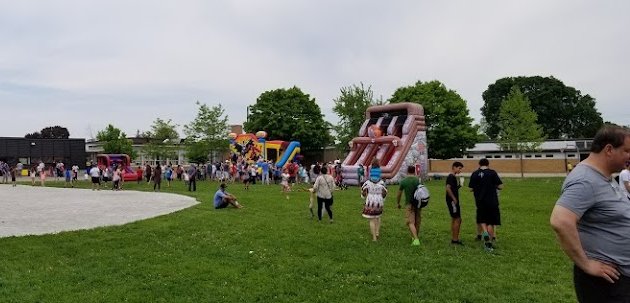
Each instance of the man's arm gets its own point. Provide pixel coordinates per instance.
(449, 192)
(564, 223)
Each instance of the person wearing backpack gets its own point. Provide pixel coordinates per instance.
(408, 186)
(452, 201)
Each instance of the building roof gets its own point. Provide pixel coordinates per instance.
(545, 146)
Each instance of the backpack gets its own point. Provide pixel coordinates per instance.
(421, 196)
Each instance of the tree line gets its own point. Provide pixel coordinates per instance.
(518, 112)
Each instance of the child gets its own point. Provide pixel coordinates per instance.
(116, 179)
(13, 173)
(285, 183)
(374, 191)
(245, 176)
(33, 174)
(68, 175)
(139, 173)
(311, 197)
(169, 176)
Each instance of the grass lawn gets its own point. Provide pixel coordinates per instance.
(271, 251)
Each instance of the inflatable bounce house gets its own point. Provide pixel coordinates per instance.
(122, 160)
(253, 147)
(395, 134)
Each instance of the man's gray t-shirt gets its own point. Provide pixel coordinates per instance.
(604, 215)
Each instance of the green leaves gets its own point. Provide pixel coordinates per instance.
(450, 131)
(289, 115)
(161, 139)
(115, 141)
(563, 112)
(519, 131)
(207, 133)
(351, 107)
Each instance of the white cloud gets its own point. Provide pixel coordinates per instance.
(142, 59)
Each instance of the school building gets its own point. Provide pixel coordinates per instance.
(50, 151)
(552, 158)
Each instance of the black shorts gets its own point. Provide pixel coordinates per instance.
(96, 180)
(488, 214)
(595, 289)
(291, 179)
(454, 210)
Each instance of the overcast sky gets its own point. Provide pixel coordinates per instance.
(85, 64)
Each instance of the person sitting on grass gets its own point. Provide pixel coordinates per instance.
(223, 199)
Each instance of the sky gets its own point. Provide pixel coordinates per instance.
(86, 64)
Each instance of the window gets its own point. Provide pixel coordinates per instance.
(571, 156)
(488, 156)
(469, 157)
(497, 156)
(528, 156)
(537, 156)
(508, 156)
(549, 156)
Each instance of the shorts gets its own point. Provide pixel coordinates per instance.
(292, 179)
(96, 180)
(223, 204)
(488, 214)
(454, 210)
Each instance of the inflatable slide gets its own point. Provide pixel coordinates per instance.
(395, 135)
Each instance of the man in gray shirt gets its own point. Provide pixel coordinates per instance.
(592, 220)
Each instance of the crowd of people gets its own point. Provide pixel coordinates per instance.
(591, 217)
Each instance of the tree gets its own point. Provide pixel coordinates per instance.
(50, 132)
(290, 115)
(115, 141)
(207, 134)
(519, 131)
(33, 135)
(351, 107)
(160, 139)
(563, 112)
(449, 127)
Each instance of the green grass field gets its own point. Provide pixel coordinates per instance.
(271, 251)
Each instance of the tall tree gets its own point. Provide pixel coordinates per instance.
(50, 132)
(518, 130)
(161, 140)
(563, 112)
(207, 133)
(449, 127)
(290, 115)
(350, 106)
(115, 141)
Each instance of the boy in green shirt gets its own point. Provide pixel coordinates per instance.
(408, 185)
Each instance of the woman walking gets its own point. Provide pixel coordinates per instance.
(374, 191)
(324, 187)
(157, 177)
